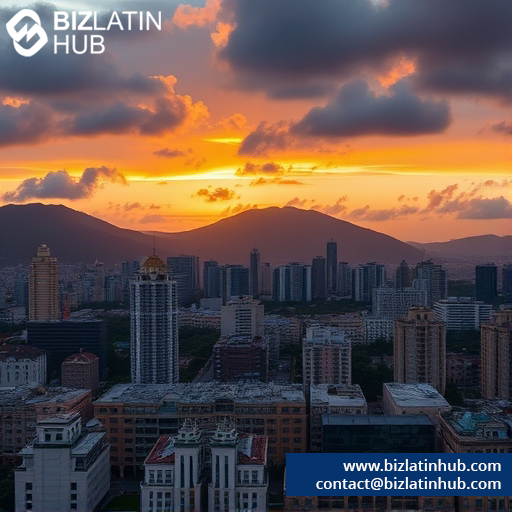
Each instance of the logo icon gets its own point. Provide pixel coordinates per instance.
(18, 35)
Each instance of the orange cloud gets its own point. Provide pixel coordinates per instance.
(401, 67)
(187, 16)
(221, 34)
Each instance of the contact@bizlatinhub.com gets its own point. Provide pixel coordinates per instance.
(410, 482)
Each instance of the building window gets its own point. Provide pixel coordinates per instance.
(73, 486)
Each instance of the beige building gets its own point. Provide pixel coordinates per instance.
(81, 371)
(135, 416)
(242, 316)
(420, 349)
(44, 287)
(496, 362)
(326, 357)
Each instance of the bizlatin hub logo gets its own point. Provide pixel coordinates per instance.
(63, 21)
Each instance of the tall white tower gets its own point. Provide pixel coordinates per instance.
(154, 325)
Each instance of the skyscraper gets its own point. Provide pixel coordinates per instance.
(292, 283)
(432, 278)
(266, 280)
(44, 287)
(154, 324)
(255, 273)
(234, 281)
(506, 282)
(486, 283)
(211, 280)
(318, 278)
(365, 278)
(420, 349)
(184, 270)
(332, 266)
(403, 276)
(344, 279)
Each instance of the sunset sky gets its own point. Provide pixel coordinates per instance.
(395, 115)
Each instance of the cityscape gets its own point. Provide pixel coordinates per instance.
(247, 243)
(174, 384)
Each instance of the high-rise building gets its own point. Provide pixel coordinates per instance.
(255, 273)
(266, 280)
(234, 281)
(20, 294)
(332, 266)
(184, 270)
(344, 279)
(64, 468)
(154, 325)
(486, 283)
(432, 279)
(292, 283)
(496, 362)
(44, 287)
(242, 316)
(462, 313)
(318, 278)
(211, 280)
(81, 371)
(420, 349)
(403, 276)
(326, 357)
(365, 278)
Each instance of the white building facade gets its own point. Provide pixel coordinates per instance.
(21, 365)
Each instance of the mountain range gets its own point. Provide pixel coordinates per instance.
(281, 234)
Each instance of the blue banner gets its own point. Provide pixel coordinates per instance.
(392, 474)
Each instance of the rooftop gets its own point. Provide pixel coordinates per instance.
(337, 395)
(162, 452)
(18, 396)
(203, 392)
(82, 357)
(376, 419)
(86, 444)
(416, 395)
(252, 449)
(19, 352)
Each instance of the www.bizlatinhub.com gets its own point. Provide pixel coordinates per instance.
(411, 483)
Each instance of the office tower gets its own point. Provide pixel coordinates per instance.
(326, 357)
(394, 303)
(81, 371)
(266, 280)
(431, 278)
(234, 281)
(239, 357)
(185, 271)
(462, 313)
(242, 316)
(365, 278)
(292, 283)
(420, 349)
(64, 468)
(506, 281)
(486, 283)
(403, 276)
(255, 273)
(154, 325)
(98, 293)
(496, 362)
(332, 266)
(211, 280)
(318, 279)
(22, 366)
(344, 275)
(127, 269)
(44, 287)
(67, 337)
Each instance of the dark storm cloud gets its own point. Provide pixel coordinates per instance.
(25, 124)
(266, 138)
(59, 184)
(461, 46)
(358, 111)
